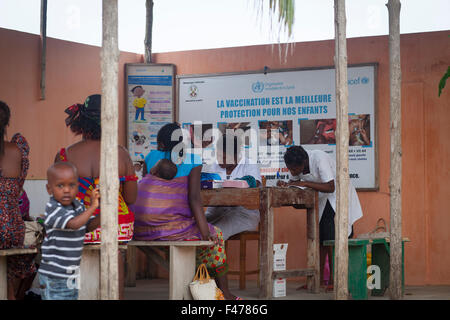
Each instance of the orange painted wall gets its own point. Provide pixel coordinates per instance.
(73, 72)
(425, 137)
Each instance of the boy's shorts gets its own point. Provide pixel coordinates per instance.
(57, 288)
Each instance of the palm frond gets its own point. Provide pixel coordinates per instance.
(285, 10)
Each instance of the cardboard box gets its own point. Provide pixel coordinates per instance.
(211, 184)
(279, 288)
(279, 256)
(279, 264)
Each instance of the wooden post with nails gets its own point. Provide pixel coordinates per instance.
(342, 142)
(395, 181)
(43, 43)
(109, 180)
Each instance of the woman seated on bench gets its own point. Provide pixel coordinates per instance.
(172, 210)
(14, 165)
(85, 120)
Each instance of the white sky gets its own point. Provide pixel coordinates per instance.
(203, 24)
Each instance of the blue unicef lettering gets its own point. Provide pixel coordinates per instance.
(359, 80)
(258, 87)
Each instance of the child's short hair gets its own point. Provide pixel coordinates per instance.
(51, 171)
(167, 169)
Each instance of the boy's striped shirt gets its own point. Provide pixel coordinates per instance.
(62, 248)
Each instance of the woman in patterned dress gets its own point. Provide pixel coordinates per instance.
(173, 210)
(13, 170)
(84, 120)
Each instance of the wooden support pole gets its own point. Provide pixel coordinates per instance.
(43, 39)
(266, 244)
(148, 30)
(109, 179)
(395, 182)
(342, 138)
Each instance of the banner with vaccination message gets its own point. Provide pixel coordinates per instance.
(273, 110)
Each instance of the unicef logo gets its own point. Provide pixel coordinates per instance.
(258, 87)
(359, 80)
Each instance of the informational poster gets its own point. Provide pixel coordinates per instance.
(150, 105)
(275, 110)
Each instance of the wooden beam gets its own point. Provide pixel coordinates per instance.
(312, 246)
(154, 256)
(17, 251)
(109, 179)
(342, 137)
(395, 181)
(148, 30)
(266, 244)
(43, 39)
(293, 273)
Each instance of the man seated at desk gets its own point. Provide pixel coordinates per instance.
(231, 164)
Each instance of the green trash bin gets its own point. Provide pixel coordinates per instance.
(357, 267)
(381, 258)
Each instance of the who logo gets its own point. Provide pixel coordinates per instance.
(258, 87)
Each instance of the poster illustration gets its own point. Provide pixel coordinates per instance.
(150, 104)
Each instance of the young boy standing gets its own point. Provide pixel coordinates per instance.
(66, 222)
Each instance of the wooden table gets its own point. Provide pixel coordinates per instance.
(265, 199)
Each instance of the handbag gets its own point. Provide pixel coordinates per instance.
(34, 234)
(375, 234)
(203, 287)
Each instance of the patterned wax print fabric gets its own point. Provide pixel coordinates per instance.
(24, 205)
(163, 213)
(126, 216)
(12, 227)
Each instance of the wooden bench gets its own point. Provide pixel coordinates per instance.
(90, 272)
(4, 253)
(181, 264)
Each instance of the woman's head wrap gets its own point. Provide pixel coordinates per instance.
(85, 118)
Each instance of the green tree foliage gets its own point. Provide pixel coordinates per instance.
(444, 80)
(286, 11)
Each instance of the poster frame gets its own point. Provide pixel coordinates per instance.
(266, 70)
(173, 92)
